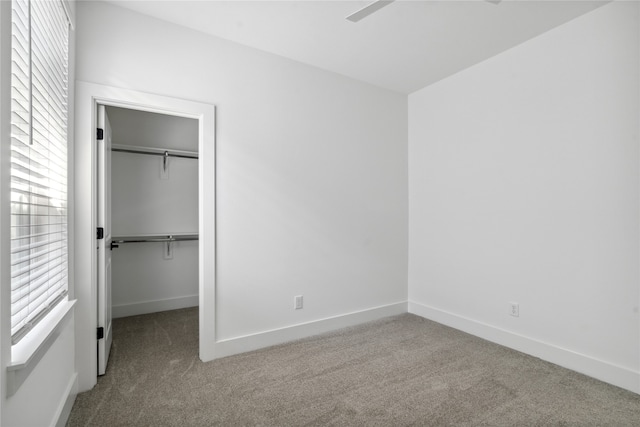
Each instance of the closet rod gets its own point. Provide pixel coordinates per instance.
(144, 239)
(155, 152)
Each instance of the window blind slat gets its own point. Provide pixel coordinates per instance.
(39, 238)
(46, 261)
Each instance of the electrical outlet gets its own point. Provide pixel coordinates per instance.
(514, 309)
(297, 303)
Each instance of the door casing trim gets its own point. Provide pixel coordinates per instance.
(84, 286)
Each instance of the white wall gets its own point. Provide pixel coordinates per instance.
(144, 279)
(311, 169)
(51, 386)
(52, 382)
(145, 129)
(145, 282)
(523, 186)
(144, 203)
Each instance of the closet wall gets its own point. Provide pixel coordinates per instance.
(148, 200)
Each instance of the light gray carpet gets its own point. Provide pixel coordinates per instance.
(399, 371)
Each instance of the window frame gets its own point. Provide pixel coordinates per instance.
(19, 360)
(39, 184)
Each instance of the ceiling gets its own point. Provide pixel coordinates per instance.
(404, 46)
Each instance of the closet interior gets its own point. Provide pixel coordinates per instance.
(154, 212)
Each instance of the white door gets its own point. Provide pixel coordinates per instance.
(104, 244)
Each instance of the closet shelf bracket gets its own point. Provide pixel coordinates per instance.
(164, 161)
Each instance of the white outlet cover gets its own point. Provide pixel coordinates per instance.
(514, 309)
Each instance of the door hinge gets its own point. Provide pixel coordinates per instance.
(100, 333)
(100, 233)
(100, 134)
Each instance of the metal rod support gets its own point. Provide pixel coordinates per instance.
(164, 161)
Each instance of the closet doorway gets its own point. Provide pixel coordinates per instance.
(89, 96)
(147, 216)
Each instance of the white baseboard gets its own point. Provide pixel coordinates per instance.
(599, 369)
(63, 412)
(251, 342)
(146, 307)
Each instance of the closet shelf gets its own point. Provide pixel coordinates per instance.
(153, 151)
(154, 238)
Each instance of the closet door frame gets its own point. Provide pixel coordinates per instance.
(83, 206)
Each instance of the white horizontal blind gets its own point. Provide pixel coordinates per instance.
(39, 260)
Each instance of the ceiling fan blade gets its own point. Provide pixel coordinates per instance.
(379, 4)
(368, 10)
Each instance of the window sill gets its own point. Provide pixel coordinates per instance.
(26, 354)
